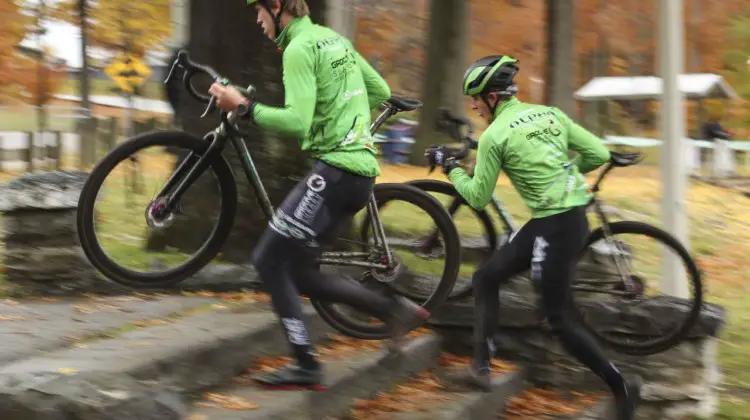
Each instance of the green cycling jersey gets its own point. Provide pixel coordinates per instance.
(530, 144)
(329, 91)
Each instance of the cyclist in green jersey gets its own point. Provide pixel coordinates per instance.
(530, 144)
(329, 92)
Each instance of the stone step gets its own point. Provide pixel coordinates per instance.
(426, 397)
(539, 403)
(604, 409)
(146, 372)
(348, 377)
(33, 326)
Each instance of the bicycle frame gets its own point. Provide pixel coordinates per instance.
(193, 166)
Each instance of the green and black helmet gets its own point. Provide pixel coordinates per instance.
(276, 18)
(493, 73)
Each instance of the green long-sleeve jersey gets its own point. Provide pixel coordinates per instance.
(530, 144)
(329, 91)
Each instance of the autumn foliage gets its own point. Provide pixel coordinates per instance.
(116, 24)
(21, 76)
(624, 33)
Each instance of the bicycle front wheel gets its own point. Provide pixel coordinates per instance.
(402, 210)
(621, 272)
(149, 255)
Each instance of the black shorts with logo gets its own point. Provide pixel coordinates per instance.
(316, 206)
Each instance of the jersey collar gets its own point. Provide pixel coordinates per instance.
(294, 28)
(505, 105)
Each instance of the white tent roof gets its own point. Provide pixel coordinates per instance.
(694, 86)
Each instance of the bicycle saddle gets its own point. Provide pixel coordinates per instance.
(405, 104)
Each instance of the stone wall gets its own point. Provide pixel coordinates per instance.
(42, 254)
(680, 382)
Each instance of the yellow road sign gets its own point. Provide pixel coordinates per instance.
(128, 72)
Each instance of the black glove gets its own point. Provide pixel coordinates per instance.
(441, 156)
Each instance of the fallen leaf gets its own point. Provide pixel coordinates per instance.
(4, 317)
(67, 371)
(227, 402)
(83, 309)
(538, 403)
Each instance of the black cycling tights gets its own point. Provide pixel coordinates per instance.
(550, 246)
(285, 255)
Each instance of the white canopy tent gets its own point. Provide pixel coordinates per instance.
(633, 88)
(677, 88)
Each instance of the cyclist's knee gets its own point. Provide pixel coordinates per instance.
(485, 277)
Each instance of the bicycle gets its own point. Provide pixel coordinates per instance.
(376, 255)
(628, 286)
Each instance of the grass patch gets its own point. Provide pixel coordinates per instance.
(26, 120)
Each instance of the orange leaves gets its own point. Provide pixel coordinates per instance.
(415, 395)
(453, 360)
(418, 394)
(227, 402)
(538, 402)
(240, 297)
(115, 23)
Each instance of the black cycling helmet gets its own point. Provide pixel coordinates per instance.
(493, 73)
(276, 18)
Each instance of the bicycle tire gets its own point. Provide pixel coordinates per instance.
(85, 213)
(387, 192)
(666, 342)
(488, 226)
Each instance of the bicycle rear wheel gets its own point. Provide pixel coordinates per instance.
(116, 235)
(607, 269)
(411, 277)
(478, 236)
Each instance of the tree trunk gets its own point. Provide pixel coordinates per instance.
(84, 76)
(245, 56)
(560, 51)
(445, 61)
(341, 17)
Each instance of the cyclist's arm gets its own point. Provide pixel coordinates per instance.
(478, 190)
(295, 118)
(377, 88)
(593, 152)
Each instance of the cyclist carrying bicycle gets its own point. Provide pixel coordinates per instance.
(329, 92)
(530, 144)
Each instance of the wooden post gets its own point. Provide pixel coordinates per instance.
(111, 136)
(30, 151)
(2, 154)
(57, 150)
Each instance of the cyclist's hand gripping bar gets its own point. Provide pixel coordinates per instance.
(449, 120)
(191, 69)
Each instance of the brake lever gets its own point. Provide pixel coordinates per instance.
(211, 107)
